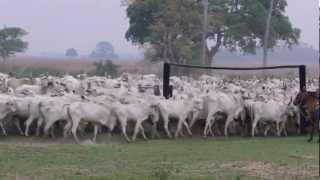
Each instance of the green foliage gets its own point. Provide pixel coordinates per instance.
(162, 172)
(11, 42)
(105, 66)
(71, 52)
(195, 158)
(173, 28)
(104, 50)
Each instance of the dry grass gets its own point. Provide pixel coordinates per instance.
(76, 66)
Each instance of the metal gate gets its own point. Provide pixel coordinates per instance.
(167, 88)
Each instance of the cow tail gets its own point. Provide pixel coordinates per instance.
(69, 114)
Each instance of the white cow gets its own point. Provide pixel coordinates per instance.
(219, 102)
(90, 112)
(7, 107)
(180, 109)
(273, 111)
(137, 112)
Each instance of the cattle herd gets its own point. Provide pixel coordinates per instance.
(209, 105)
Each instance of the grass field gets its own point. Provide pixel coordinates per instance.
(81, 65)
(214, 158)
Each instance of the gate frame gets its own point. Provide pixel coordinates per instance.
(167, 88)
(167, 69)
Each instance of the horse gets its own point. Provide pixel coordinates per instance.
(310, 100)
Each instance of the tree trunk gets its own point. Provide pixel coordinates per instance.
(267, 34)
(214, 50)
(204, 32)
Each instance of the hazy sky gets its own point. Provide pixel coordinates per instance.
(55, 25)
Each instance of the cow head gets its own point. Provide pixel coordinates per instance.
(7, 108)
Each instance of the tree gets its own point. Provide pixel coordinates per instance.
(11, 42)
(104, 50)
(71, 52)
(105, 66)
(174, 27)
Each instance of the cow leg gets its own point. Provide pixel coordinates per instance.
(28, 123)
(179, 126)
(267, 130)
(66, 129)
(284, 128)
(2, 128)
(255, 122)
(47, 127)
(136, 130)
(142, 132)
(17, 124)
(208, 125)
(95, 132)
(229, 120)
(187, 127)
(155, 131)
(278, 128)
(52, 131)
(166, 126)
(181, 133)
(39, 125)
(123, 128)
(211, 130)
(74, 128)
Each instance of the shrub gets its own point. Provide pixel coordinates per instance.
(105, 66)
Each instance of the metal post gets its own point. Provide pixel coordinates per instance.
(302, 77)
(166, 80)
(319, 76)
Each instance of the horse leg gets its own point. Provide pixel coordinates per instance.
(312, 131)
(318, 124)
